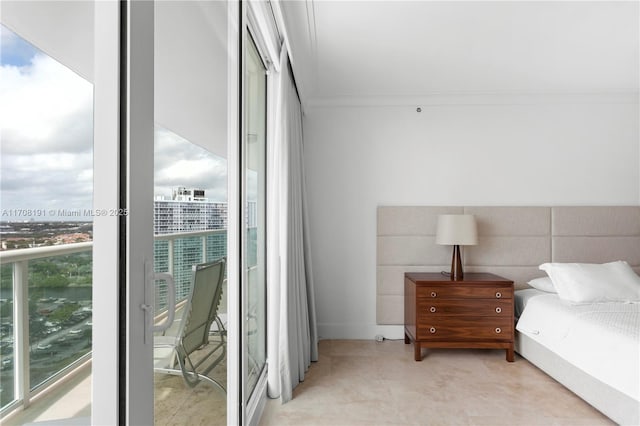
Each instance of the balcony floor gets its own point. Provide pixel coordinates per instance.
(70, 400)
(175, 403)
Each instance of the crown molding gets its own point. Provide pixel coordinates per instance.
(630, 96)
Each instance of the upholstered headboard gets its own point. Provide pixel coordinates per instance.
(512, 242)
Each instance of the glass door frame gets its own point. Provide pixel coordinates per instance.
(137, 381)
(259, 25)
(236, 10)
(252, 398)
(105, 406)
(124, 178)
(136, 121)
(123, 355)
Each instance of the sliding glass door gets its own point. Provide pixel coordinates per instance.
(176, 184)
(190, 204)
(181, 115)
(254, 217)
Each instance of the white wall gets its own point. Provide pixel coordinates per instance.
(537, 152)
(191, 89)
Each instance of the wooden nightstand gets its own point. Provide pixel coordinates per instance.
(476, 312)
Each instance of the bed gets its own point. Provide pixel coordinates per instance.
(513, 242)
(591, 348)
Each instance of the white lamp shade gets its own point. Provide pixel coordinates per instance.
(457, 229)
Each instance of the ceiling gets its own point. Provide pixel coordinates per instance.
(382, 49)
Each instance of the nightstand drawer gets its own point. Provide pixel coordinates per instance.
(474, 312)
(471, 291)
(467, 328)
(464, 307)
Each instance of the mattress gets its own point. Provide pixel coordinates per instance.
(601, 339)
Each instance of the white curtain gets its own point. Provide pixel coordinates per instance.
(292, 341)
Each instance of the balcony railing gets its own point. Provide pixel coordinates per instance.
(176, 253)
(46, 311)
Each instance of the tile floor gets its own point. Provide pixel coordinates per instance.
(371, 383)
(358, 382)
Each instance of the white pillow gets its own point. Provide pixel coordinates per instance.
(592, 282)
(543, 283)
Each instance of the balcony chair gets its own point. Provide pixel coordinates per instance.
(189, 353)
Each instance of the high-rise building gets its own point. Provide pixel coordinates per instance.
(187, 211)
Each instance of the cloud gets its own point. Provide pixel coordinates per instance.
(178, 162)
(46, 132)
(45, 107)
(47, 182)
(46, 140)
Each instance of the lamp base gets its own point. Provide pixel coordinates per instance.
(456, 264)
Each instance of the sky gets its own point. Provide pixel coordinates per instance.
(46, 141)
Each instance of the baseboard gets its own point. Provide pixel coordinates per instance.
(359, 331)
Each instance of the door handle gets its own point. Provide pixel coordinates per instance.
(171, 300)
(149, 300)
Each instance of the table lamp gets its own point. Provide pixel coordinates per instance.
(456, 230)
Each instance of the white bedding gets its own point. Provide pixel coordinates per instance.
(602, 339)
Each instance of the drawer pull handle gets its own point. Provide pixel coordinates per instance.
(433, 294)
(498, 295)
(432, 330)
(432, 309)
(498, 330)
(498, 310)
